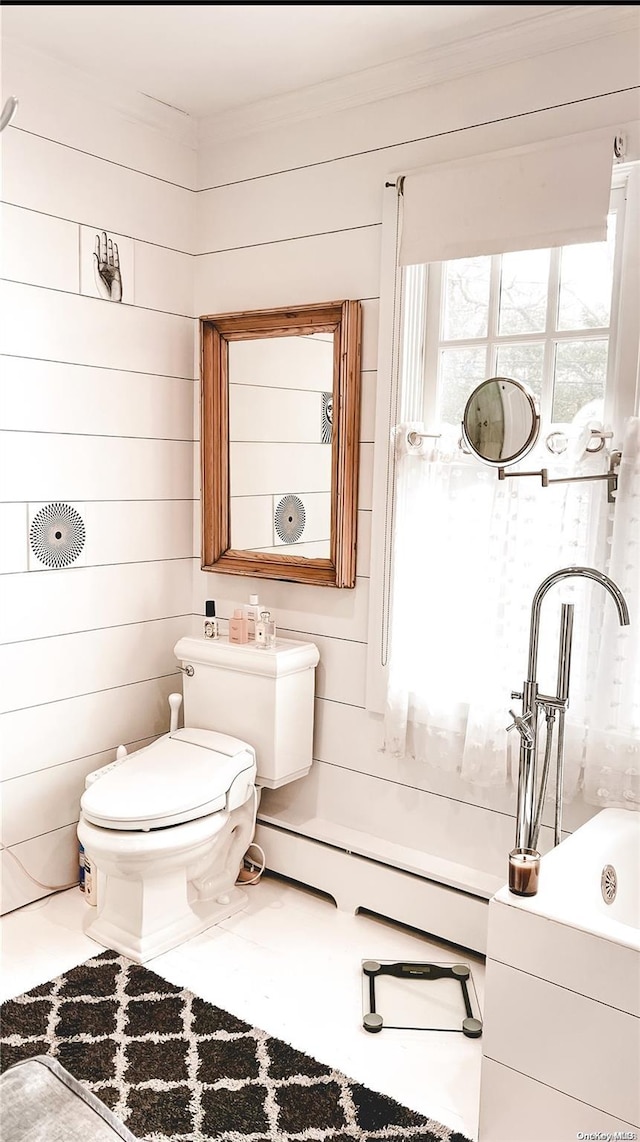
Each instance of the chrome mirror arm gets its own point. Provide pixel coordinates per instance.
(611, 476)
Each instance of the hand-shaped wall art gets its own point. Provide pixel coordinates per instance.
(106, 265)
(106, 268)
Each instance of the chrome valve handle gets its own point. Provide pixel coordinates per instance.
(522, 726)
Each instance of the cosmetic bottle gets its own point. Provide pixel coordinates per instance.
(81, 870)
(261, 630)
(90, 882)
(251, 612)
(266, 631)
(210, 621)
(238, 627)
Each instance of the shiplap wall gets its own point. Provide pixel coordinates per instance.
(291, 215)
(97, 409)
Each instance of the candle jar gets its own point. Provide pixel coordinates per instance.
(524, 871)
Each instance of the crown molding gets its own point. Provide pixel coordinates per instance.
(140, 108)
(565, 26)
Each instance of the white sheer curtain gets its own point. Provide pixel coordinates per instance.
(612, 766)
(469, 553)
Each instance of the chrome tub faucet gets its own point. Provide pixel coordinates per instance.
(524, 859)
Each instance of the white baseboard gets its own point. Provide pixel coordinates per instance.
(356, 882)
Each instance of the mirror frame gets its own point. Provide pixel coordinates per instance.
(533, 433)
(344, 320)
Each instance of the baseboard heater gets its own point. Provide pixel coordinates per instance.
(356, 881)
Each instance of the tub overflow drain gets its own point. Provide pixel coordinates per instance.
(609, 884)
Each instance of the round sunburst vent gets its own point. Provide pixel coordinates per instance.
(327, 417)
(57, 535)
(290, 518)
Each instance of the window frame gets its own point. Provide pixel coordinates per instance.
(394, 405)
(550, 336)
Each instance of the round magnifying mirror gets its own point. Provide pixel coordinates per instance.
(501, 421)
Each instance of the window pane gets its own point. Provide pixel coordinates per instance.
(466, 298)
(460, 371)
(524, 283)
(522, 363)
(580, 375)
(586, 275)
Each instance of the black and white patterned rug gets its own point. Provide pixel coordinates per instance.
(177, 1069)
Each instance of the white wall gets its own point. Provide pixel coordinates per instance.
(97, 410)
(291, 214)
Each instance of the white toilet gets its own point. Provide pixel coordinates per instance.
(166, 828)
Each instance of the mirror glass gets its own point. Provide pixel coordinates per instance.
(280, 420)
(501, 421)
(280, 434)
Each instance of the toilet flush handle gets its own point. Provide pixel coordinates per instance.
(175, 702)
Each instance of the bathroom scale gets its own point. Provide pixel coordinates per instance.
(419, 996)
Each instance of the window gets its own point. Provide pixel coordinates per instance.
(541, 316)
(465, 552)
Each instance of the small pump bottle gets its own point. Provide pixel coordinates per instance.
(238, 627)
(251, 612)
(210, 621)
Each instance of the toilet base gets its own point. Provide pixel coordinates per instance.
(159, 888)
(204, 914)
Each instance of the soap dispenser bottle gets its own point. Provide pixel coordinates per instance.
(252, 611)
(238, 627)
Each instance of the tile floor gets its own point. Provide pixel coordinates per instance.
(290, 963)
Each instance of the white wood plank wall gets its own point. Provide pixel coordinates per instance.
(291, 214)
(97, 410)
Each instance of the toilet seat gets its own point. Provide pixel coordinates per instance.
(180, 777)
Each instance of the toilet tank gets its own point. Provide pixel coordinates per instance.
(262, 696)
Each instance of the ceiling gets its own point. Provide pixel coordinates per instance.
(209, 59)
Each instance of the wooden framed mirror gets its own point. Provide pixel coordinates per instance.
(280, 418)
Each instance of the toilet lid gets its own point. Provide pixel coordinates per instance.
(175, 779)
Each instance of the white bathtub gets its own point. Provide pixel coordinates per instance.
(571, 874)
(561, 1043)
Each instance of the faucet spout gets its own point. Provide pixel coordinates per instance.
(557, 577)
